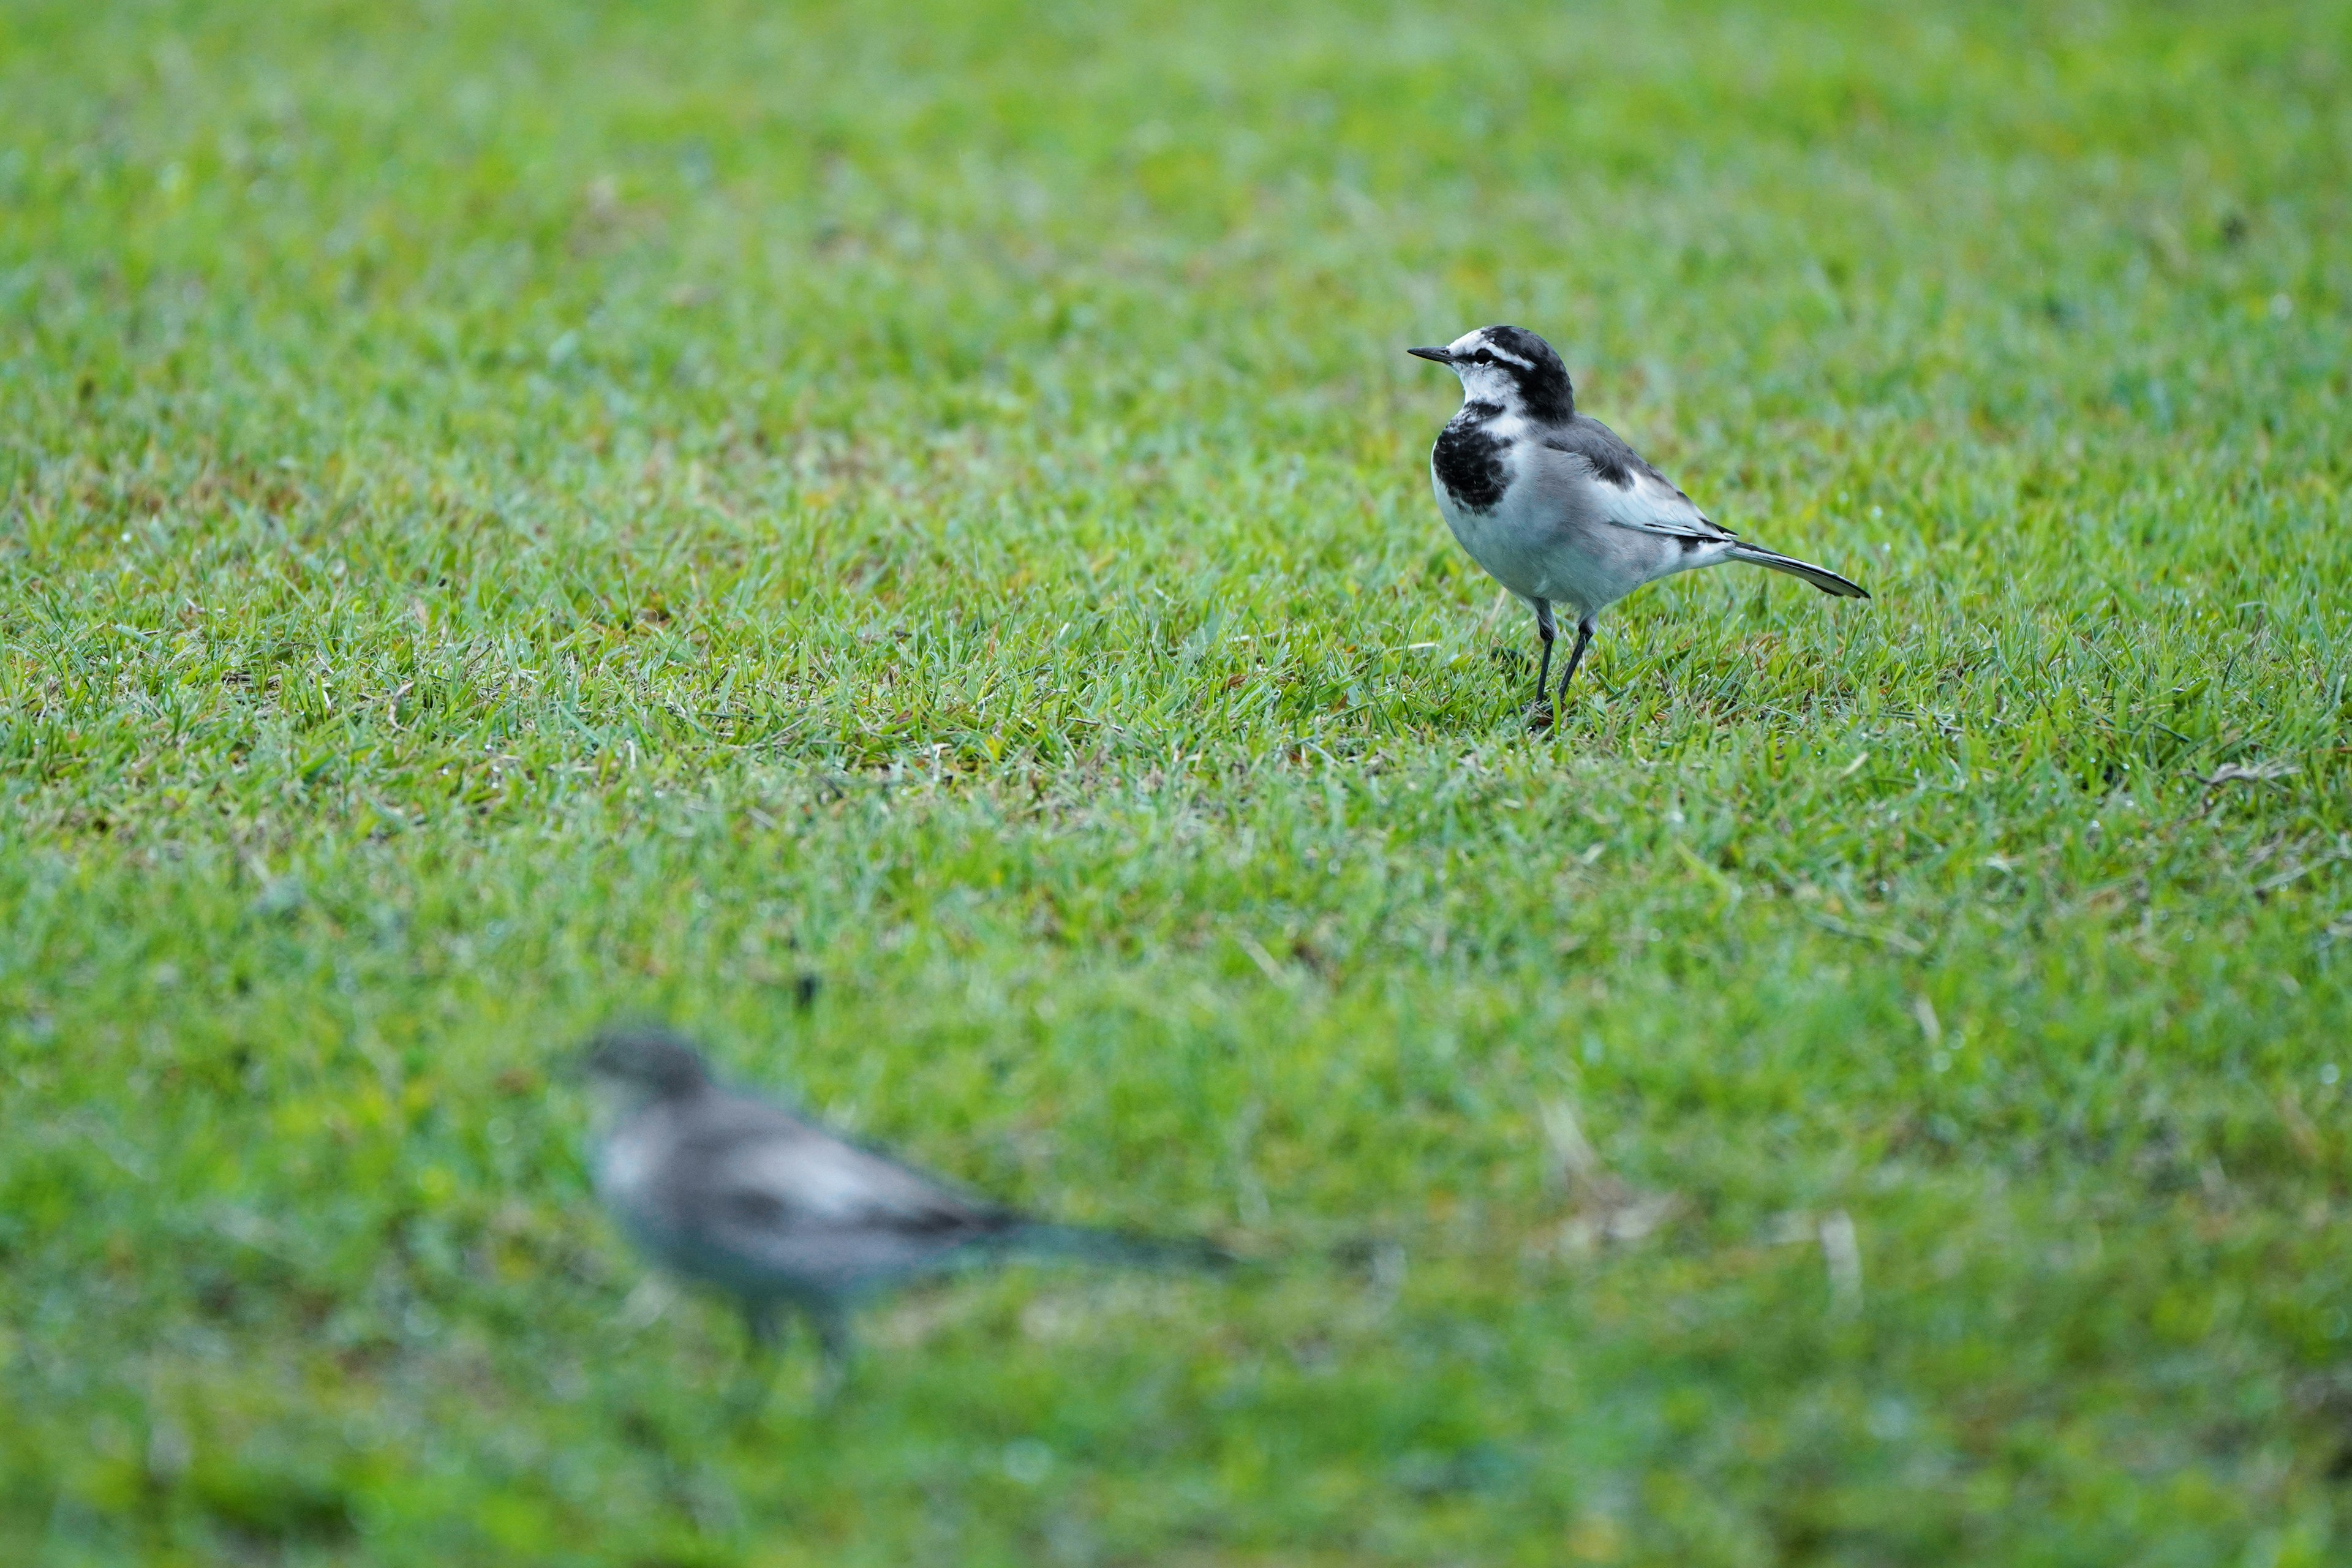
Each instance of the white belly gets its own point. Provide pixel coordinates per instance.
(624, 1169)
(1540, 549)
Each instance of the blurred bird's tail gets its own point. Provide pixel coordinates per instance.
(1033, 1238)
(1820, 577)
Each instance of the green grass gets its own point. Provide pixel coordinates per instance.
(512, 514)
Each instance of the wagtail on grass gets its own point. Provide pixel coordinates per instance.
(1555, 507)
(775, 1211)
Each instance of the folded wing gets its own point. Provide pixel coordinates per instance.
(812, 1181)
(768, 1202)
(1626, 490)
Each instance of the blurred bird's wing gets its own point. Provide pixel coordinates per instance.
(753, 1168)
(789, 1207)
(1625, 489)
(826, 1182)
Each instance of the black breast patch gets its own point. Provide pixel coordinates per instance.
(1468, 461)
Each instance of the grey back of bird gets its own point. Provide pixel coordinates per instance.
(735, 1192)
(749, 1197)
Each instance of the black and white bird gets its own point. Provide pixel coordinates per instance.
(732, 1191)
(1555, 507)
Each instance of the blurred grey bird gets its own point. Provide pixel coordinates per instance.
(732, 1191)
(1555, 507)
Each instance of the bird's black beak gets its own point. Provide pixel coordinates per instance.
(1443, 356)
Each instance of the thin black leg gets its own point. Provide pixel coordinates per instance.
(832, 1327)
(762, 1333)
(1576, 654)
(1548, 631)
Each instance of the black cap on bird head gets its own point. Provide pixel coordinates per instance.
(646, 1060)
(1511, 368)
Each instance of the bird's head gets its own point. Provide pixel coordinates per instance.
(1512, 369)
(639, 1065)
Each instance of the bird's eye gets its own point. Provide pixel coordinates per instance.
(1482, 357)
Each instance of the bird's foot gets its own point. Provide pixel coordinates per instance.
(1539, 717)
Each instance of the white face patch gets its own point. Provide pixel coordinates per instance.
(626, 1167)
(1491, 381)
(611, 1100)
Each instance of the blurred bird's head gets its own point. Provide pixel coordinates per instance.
(1510, 369)
(639, 1065)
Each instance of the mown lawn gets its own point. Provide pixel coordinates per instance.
(897, 537)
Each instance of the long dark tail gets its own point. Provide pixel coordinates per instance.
(1035, 1239)
(1820, 577)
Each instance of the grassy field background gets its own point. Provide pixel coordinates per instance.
(897, 536)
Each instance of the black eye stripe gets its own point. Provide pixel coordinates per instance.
(1541, 379)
